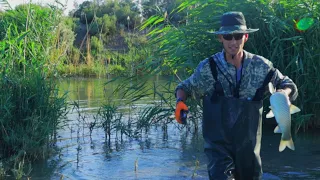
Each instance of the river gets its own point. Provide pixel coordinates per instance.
(158, 154)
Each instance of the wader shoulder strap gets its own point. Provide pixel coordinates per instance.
(218, 90)
(213, 67)
(260, 92)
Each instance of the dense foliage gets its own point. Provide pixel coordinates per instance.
(30, 107)
(294, 52)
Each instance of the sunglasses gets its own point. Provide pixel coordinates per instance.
(229, 37)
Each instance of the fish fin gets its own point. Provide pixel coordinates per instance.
(294, 109)
(270, 114)
(284, 144)
(271, 88)
(277, 130)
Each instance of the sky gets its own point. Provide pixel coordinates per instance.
(69, 3)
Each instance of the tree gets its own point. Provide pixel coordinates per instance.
(88, 11)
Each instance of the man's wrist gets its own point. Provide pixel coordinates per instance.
(179, 99)
(286, 90)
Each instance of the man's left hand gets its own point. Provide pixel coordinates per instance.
(286, 90)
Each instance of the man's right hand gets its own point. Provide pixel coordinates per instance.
(181, 112)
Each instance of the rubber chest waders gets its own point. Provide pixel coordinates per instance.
(232, 133)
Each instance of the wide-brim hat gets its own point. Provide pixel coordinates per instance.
(232, 23)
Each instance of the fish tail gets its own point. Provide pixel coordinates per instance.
(284, 144)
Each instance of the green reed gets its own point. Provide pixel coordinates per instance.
(30, 107)
(294, 52)
(30, 112)
(123, 117)
(179, 49)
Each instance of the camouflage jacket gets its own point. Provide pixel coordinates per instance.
(254, 70)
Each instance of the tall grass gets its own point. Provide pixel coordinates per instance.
(295, 53)
(30, 112)
(30, 108)
(123, 115)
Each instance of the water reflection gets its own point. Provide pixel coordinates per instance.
(165, 151)
(291, 164)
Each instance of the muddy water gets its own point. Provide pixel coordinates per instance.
(158, 154)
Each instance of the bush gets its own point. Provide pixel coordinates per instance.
(115, 70)
(30, 107)
(108, 24)
(30, 112)
(96, 46)
(83, 70)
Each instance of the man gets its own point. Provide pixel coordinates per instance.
(232, 84)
